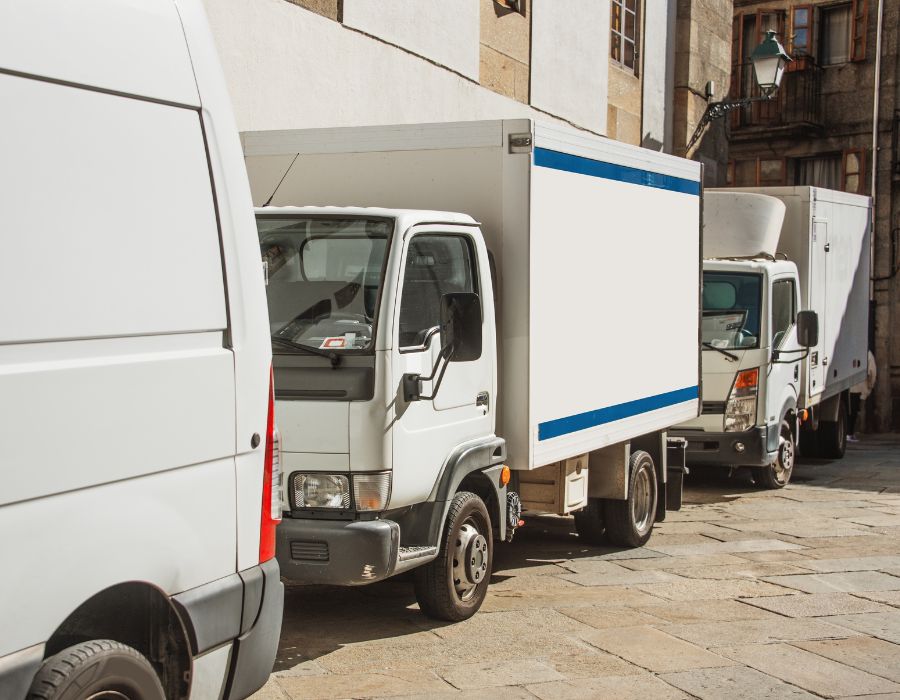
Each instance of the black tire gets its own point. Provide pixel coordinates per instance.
(589, 522)
(100, 669)
(451, 587)
(809, 442)
(778, 474)
(629, 523)
(833, 435)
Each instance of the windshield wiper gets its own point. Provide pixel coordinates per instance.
(731, 356)
(333, 356)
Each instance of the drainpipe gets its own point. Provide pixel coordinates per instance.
(875, 107)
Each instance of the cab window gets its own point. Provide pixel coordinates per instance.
(436, 264)
(783, 311)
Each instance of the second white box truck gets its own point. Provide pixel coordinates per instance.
(438, 372)
(785, 326)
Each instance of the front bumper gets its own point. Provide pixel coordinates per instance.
(723, 449)
(337, 552)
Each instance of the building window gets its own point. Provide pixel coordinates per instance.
(756, 172)
(623, 40)
(801, 26)
(820, 171)
(860, 26)
(852, 171)
(835, 34)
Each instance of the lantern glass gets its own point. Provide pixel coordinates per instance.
(768, 72)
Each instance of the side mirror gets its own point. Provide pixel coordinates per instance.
(461, 326)
(808, 329)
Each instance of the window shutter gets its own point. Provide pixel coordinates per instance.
(853, 171)
(859, 28)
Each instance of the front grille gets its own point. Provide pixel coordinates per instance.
(309, 551)
(713, 408)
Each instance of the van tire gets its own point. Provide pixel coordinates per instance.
(439, 583)
(89, 668)
(833, 434)
(589, 522)
(629, 523)
(778, 474)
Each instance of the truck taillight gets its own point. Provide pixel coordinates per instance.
(271, 488)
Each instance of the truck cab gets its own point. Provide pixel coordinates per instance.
(751, 368)
(358, 307)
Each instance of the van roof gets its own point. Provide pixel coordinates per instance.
(134, 48)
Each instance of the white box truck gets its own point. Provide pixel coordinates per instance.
(437, 372)
(138, 455)
(785, 326)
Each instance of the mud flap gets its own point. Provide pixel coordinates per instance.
(676, 453)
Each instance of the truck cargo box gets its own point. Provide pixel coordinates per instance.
(597, 253)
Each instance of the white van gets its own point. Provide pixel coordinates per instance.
(138, 457)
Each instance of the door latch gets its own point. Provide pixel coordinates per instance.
(482, 399)
(796, 372)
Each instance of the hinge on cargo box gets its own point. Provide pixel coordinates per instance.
(520, 143)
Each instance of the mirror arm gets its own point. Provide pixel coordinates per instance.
(412, 383)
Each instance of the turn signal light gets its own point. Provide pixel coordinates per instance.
(504, 475)
(747, 379)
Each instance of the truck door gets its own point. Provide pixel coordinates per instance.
(437, 262)
(817, 301)
(784, 370)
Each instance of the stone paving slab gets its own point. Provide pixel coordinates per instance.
(882, 625)
(817, 604)
(713, 547)
(716, 634)
(848, 582)
(708, 611)
(809, 671)
(706, 589)
(734, 683)
(886, 597)
(874, 656)
(621, 688)
(654, 650)
(871, 563)
(361, 685)
(746, 569)
(488, 674)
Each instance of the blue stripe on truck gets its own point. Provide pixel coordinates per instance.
(545, 158)
(591, 419)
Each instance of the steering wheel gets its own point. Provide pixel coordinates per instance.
(343, 316)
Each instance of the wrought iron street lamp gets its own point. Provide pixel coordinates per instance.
(769, 60)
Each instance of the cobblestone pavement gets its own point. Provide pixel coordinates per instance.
(741, 594)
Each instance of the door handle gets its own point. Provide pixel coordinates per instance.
(796, 372)
(482, 399)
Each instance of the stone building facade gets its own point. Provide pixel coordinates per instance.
(819, 130)
(619, 68)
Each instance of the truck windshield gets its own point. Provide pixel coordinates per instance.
(323, 280)
(731, 304)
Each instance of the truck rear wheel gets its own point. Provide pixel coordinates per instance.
(778, 474)
(453, 586)
(833, 434)
(102, 669)
(630, 522)
(589, 522)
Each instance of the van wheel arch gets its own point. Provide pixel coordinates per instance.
(141, 616)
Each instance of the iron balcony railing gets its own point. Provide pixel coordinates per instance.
(797, 103)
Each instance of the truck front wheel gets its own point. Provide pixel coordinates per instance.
(630, 522)
(778, 474)
(453, 586)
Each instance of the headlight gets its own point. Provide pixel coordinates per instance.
(740, 411)
(371, 491)
(321, 491)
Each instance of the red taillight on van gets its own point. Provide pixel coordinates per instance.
(271, 491)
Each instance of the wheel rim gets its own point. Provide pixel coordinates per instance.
(108, 695)
(470, 560)
(784, 465)
(641, 502)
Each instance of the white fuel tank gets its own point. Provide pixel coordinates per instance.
(739, 224)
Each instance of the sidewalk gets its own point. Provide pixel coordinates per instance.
(741, 594)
